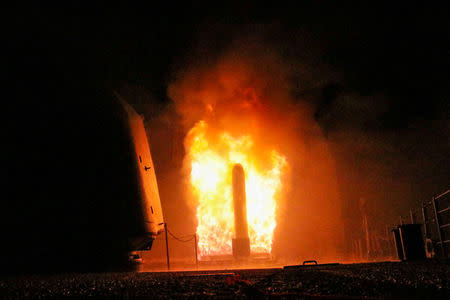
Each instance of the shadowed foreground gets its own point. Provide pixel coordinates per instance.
(410, 280)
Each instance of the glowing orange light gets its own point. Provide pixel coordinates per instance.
(211, 170)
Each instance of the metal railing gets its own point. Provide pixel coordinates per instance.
(436, 223)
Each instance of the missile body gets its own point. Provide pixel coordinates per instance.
(241, 242)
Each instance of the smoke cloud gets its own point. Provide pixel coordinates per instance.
(343, 145)
(249, 90)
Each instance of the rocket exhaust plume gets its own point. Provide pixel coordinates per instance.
(213, 155)
(239, 115)
(241, 242)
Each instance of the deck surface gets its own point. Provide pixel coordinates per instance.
(386, 280)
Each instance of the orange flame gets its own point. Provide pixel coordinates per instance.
(211, 156)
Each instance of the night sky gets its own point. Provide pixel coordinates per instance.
(399, 52)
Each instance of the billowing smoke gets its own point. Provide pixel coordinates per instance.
(351, 148)
(248, 90)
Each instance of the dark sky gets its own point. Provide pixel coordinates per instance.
(397, 51)
(392, 62)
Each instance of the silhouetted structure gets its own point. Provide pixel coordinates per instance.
(81, 188)
(409, 242)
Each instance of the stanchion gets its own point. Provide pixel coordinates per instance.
(167, 247)
(196, 255)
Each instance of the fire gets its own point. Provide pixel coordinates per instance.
(211, 155)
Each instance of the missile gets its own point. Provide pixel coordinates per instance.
(241, 241)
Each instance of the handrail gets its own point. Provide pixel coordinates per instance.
(436, 221)
(443, 194)
(443, 210)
